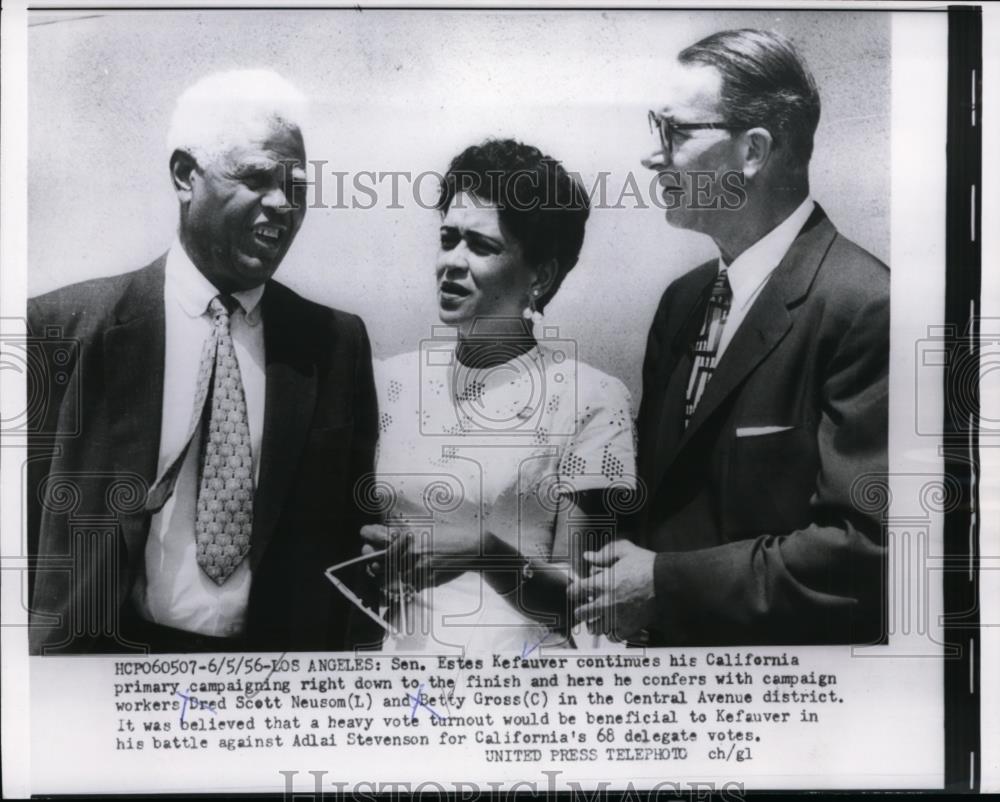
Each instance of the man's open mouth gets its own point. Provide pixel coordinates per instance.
(268, 235)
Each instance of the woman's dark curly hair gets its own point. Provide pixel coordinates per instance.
(540, 204)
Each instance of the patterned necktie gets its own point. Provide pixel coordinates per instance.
(224, 517)
(706, 347)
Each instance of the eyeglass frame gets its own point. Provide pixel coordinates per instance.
(666, 136)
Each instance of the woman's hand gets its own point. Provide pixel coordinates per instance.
(376, 538)
(422, 556)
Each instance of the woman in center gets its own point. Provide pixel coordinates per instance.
(501, 456)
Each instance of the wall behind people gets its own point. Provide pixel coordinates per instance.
(397, 92)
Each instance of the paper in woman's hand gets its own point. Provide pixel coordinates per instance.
(336, 574)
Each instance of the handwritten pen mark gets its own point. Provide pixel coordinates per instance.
(197, 705)
(274, 665)
(525, 650)
(454, 685)
(417, 702)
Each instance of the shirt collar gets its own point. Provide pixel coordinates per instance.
(186, 284)
(753, 267)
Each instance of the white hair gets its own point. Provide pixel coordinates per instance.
(228, 108)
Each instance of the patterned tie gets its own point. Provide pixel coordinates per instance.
(706, 347)
(225, 493)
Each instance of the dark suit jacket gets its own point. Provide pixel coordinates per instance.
(94, 448)
(759, 538)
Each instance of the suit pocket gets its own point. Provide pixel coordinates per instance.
(772, 477)
(760, 431)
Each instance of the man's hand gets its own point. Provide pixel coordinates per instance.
(617, 597)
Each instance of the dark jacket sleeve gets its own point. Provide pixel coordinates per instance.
(366, 425)
(50, 352)
(362, 632)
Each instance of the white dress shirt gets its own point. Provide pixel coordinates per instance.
(749, 272)
(174, 591)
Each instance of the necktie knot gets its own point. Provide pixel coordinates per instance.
(222, 307)
(706, 348)
(721, 289)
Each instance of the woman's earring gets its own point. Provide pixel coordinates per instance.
(530, 312)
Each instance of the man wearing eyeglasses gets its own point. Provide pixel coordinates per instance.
(765, 382)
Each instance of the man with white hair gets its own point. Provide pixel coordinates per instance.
(224, 422)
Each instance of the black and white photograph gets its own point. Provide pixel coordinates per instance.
(534, 395)
(722, 509)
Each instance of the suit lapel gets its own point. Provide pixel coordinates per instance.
(137, 340)
(290, 398)
(132, 345)
(762, 329)
(766, 324)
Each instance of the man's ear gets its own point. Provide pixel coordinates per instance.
(758, 145)
(182, 172)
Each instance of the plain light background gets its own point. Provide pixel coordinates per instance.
(406, 91)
